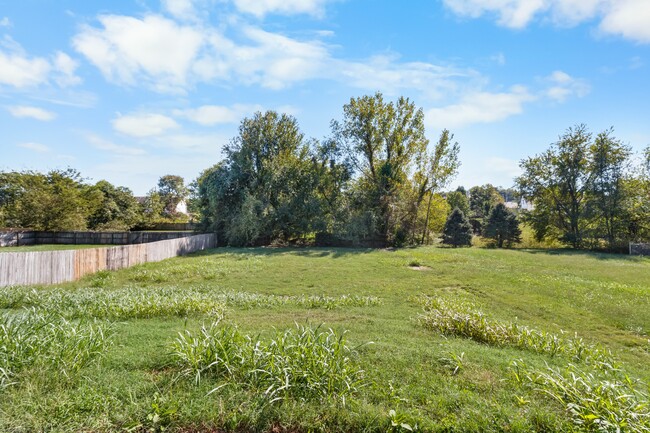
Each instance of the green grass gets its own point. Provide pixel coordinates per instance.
(509, 346)
(55, 247)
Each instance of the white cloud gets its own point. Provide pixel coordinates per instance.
(479, 107)
(20, 70)
(5, 22)
(627, 18)
(209, 115)
(276, 61)
(172, 57)
(387, 74)
(144, 125)
(183, 9)
(128, 49)
(563, 86)
(23, 111)
(65, 68)
(36, 147)
(99, 143)
(261, 8)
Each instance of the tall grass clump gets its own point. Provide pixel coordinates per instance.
(597, 400)
(46, 341)
(464, 320)
(303, 363)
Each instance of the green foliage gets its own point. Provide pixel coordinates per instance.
(458, 199)
(57, 200)
(502, 226)
(172, 191)
(457, 231)
(387, 146)
(305, 363)
(118, 209)
(481, 201)
(584, 192)
(264, 190)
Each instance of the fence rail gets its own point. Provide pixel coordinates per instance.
(53, 267)
(639, 249)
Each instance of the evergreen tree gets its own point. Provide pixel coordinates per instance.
(458, 230)
(502, 226)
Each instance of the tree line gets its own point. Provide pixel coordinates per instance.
(62, 200)
(375, 180)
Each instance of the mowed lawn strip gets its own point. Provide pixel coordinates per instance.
(413, 376)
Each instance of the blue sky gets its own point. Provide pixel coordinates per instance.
(130, 90)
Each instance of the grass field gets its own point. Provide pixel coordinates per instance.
(27, 248)
(426, 339)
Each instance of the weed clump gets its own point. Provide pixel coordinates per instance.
(464, 320)
(602, 400)
(302, 363)
(47, 341)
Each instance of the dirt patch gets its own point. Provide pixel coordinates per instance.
(420, 268)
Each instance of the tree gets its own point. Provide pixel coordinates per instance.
(458, 230)
(55, 201)
(265, 189)
(458, 199)
(438, 169)
(481, 201)
(502, 226)
(609, 164)
(172, 191)
(384, 141)
(118, 209)
(386, 147)
(558, 182)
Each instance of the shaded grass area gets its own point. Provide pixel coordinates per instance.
(413, 378)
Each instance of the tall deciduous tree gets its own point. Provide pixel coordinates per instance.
(385, 140)
(437, 169)
(610, 161)
(458, 199)
(559, 182)
(481, 201)
(265, 189)
(172, 191)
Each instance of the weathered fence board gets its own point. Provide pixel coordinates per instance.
(53, 267)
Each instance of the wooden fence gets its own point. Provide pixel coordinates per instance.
(53, 267)
(21, 238)
(639, 249)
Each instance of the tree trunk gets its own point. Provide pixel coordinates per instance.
(425, 232)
